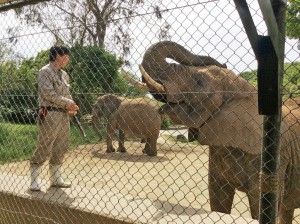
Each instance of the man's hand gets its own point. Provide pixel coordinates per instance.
(72, 112)
(72, 109)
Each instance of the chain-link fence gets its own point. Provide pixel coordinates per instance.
(166, 126)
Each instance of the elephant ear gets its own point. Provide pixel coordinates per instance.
(236, 125)
(110, 103)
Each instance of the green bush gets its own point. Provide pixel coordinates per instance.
(166, 123)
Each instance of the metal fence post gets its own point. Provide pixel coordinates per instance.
(269, 52)
(270, 72)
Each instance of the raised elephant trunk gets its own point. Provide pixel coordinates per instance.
(154, 61)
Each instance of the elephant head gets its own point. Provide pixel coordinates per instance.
(223, 107)
(201, 93)
(103, 108)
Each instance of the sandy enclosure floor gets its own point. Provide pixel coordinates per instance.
(177, 176)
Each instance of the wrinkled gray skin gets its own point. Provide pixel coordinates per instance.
(138, 117)
(222, 107)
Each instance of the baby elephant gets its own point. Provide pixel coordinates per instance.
(138, 117)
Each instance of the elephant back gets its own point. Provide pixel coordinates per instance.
(139, 117)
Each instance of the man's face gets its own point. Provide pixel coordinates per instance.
(63, 60)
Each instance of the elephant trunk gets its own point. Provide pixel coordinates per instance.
(155, 64)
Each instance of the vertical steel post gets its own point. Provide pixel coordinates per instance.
(269, 52)
(270, 72)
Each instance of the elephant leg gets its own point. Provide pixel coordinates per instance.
(285, 216)
(95, 125)
(253, 197)
(145, 149)
(121, 141)
(143, 140)
(193, 134)
(150, 147)
(221, 192)
(110, 132)
(221, 195)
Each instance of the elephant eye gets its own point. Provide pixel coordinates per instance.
(197, 80)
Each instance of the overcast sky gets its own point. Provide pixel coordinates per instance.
(204, 27)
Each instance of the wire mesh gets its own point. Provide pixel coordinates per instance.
(183, 148)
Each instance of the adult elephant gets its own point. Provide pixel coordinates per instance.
(138, 117)
(230, 168)
(223, 107)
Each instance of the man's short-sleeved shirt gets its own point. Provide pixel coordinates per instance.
(53, 87)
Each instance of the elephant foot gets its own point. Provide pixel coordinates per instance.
(143, 140)
(121, 149)
(149, 152)
(110, 150)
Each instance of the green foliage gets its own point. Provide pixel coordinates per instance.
(123, 87)
(293, 19)
(6, 51)
(18, 87)
(78, 139)
(167, 122)
(4, 132)
(291, 79)
(93, 71)
(17, 142)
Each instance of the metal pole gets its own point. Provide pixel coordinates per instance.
(269, 51)
(272, 121)
(268, 176)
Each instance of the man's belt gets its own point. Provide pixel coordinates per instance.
(57, 109)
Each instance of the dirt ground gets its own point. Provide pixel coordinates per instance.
(177, 176)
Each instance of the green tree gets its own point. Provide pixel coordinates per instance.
(293, 19)
(18, 87)
(290, 82)
(123, 87)
(88, 21)
(93, 72)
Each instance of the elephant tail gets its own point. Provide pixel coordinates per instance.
(158, 53)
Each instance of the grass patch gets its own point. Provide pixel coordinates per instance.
(78, 139)
(18, 141)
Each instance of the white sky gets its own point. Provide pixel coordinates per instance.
(212, 28)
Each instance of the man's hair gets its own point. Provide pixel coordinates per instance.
(61, 50)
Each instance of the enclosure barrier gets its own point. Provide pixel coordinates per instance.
(188, 111)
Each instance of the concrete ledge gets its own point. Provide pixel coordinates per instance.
(18, 209)
(90, 205)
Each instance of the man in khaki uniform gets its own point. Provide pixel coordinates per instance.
(56, 105)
